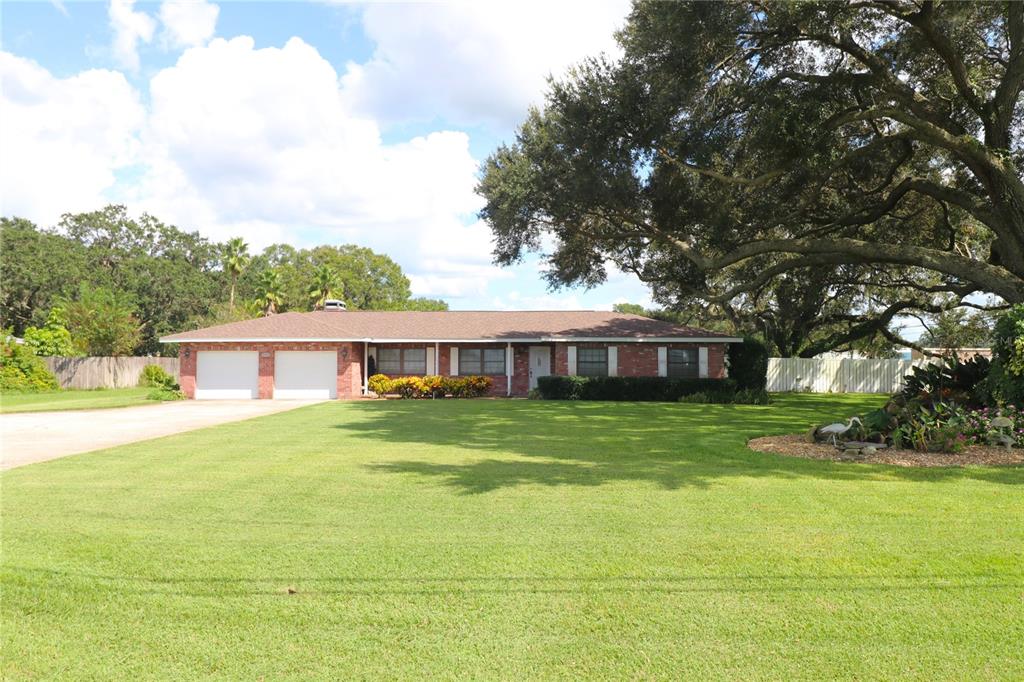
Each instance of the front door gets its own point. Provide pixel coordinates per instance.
(540, 363)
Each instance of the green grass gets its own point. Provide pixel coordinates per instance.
(73, 399)
(509, 540)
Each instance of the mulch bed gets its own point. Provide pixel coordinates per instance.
(794, 445)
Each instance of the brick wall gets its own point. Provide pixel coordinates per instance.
(634, 359)
(641, 359)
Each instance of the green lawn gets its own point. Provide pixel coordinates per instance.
(72, 399)
(509, 540)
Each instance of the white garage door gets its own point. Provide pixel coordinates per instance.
(224, 374)
(305, 374)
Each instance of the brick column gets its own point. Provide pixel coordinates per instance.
(187, 369)
(266, 390)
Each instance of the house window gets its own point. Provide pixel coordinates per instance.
(488, 361)
(682, 363)
(397, 361)
(592, 362)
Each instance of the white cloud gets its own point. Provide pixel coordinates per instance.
(130, 27)
(241, 139)
(63, 138)
(472, 62)
(188, 23)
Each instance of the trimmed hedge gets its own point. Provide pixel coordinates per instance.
(639, 389)
(748, 364)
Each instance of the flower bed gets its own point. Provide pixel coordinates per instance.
(972, 455)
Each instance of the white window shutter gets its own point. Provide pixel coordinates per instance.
(430, 361)
(662, 361)
(571, 356)
(454, 355)
(702, 362)
(613, 361)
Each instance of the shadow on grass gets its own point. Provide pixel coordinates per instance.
(591, 444)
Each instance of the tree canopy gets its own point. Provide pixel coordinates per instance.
(742, 154)
(168, 279)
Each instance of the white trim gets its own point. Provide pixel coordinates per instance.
(662, 361)
(453, 361)
(571, 358)
(533, 339)
(431, 369)
(613, 361)
(366, 367)
(508, 369)
(702, 362)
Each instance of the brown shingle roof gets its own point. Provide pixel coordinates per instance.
(456, 325)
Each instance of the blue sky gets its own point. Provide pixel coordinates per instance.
(293, 122)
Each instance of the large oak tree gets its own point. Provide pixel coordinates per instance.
(737, 147)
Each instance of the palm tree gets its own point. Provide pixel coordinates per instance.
(236, 258)
(269, 288)
(325, 285)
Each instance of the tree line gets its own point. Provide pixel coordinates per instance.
(105, 283)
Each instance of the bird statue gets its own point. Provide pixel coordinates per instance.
(838, 429)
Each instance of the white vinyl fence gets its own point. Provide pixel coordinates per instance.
(120, 372)
(838, 375)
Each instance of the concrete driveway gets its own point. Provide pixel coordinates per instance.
(26, 438)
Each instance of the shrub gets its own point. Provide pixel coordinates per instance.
(748, 364)
(469, 386)
(1006, 380)
(631, 388)
(379, 384)
(53, 338)
(155, 376)
(21, 370)
(164, 394)
(752, 396)
(949, 379)
(474, 386)
(408, 387)
(435, 386)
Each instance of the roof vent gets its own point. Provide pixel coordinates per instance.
(334, 304)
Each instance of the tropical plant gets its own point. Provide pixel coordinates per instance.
(379, 384)
(325, 285)
(949, 379)
(236, 259)
(269, 292)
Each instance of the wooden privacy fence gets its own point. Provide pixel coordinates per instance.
(838, 375)
(120, 372)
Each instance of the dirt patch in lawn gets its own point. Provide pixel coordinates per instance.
(794, 445)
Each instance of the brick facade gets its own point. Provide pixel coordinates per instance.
(634, 359)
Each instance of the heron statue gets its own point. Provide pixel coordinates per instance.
(838, 429)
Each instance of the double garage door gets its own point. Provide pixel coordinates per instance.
(236, 374)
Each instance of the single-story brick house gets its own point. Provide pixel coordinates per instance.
(326, 354)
